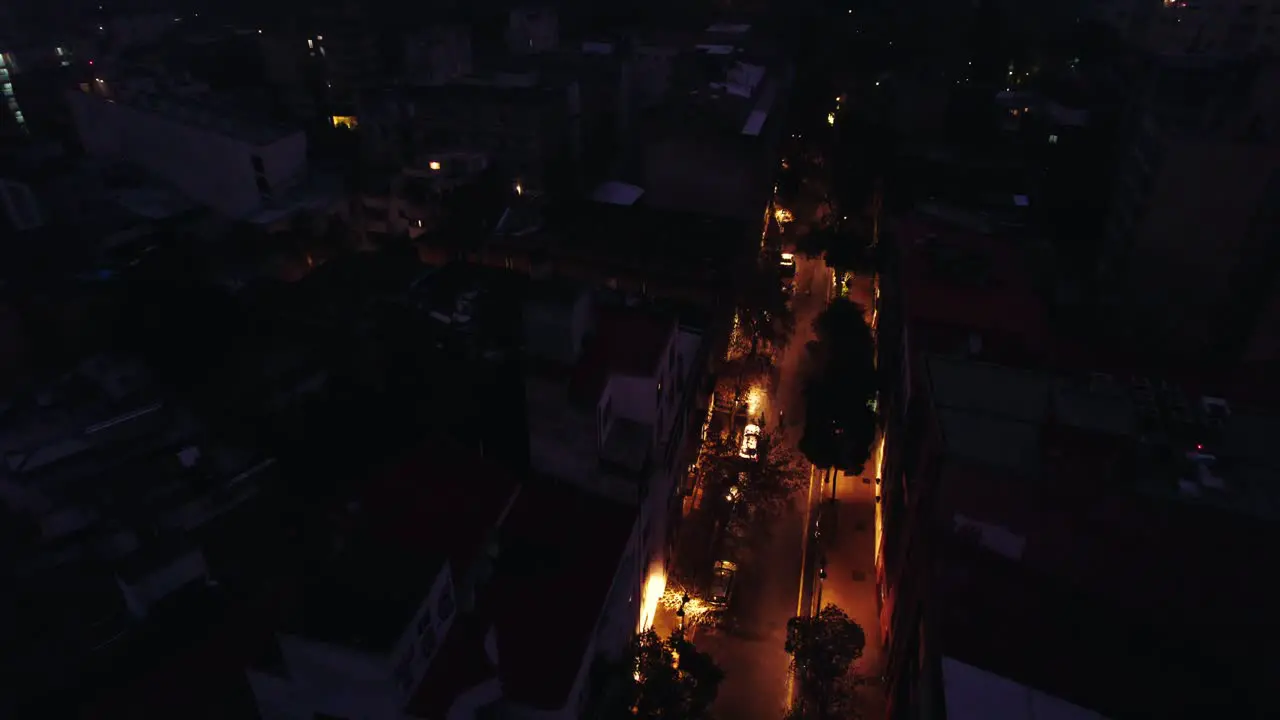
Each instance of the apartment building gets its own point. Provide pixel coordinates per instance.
(445, 588)
(609, 395)
(1195, 27)
(1186, 257)
(409, 203)
(521, 120)
(1047, 510)
(187, 137)
(1038, 493)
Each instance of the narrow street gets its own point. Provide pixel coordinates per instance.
(779, 578)
(750, 648)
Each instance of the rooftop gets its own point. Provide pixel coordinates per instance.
(627, 341)
(386, 546)
(639, 241)
(546, 568)
(549, 568)
(196, 108)
(975, 694)
(969, 292)
(1065, 518)
(998, 619)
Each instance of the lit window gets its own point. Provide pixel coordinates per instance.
(434, 164)
(60, 51)
(345, 121)
(1053, 139)
(319, 38)
(311, 44)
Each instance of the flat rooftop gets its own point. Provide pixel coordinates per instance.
(626, 341)
(1065, 528)
(959, 284)
(550, 585)
(205, 112)
(549, 568)
(386, 544)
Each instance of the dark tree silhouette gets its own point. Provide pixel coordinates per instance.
(764, 313)
(840, 422)
(671, 679)
(823, 648)
(765, 484)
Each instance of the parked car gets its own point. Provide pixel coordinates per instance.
(722, 581)
(750, 442)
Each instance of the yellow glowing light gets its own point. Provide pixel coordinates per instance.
(345, 121)
(879, 491)
(782, 215)
(755, 399)
(434, 165)
(695, 609)
(519, 189)
(652, 595)
(831, 119)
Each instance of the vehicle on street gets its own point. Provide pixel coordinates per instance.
(732, 493)
(788, 267)
(722, 581)
(750, 443)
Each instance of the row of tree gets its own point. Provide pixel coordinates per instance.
(840, 389)
(671, 678)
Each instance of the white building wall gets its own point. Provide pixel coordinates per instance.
(634, 398)
(209, 167)
(409, 643)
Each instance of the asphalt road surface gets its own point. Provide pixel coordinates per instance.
(749, 646)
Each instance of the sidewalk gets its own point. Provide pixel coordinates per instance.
(851, 575)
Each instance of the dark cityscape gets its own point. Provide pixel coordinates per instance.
(559, 360)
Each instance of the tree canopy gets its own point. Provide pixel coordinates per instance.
(846, 245)
(764, 314)
(765, 484)
(672, 679)
(840, 389)
(823, 649)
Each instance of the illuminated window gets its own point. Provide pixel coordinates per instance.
(434, 164)
(345, 121)
(60, 51)
(311, 44)
(1053, 139)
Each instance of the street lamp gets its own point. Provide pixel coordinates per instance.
(822, 577)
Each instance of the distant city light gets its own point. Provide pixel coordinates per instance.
(434, 164)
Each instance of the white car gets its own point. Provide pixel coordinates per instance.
(750, 442)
